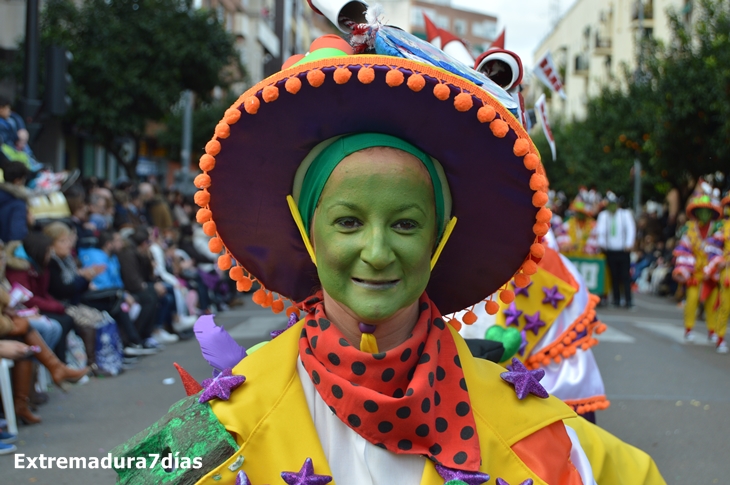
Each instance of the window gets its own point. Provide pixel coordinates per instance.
(417, 17)
(460, 27)
(486, 29)
(443, 21)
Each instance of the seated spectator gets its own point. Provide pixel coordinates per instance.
(14, 202)
(86, 233)
(157, 211)
(98, 212)
(15, 137)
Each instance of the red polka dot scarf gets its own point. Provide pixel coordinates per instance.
(412, 399)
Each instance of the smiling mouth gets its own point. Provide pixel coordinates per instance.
(375, 284)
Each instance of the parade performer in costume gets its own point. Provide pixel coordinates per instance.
(550, 325)
(691, 258)
(338, 183)
(718, 271)
(578, 234)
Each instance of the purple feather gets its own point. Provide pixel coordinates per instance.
(218, 347)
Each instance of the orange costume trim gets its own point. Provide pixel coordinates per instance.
(547, 454)
(590, 404)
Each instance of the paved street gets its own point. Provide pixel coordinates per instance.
(669, 398)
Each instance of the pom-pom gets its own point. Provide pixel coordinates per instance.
(540, 229)
(531, 161)
(213, 147)
(499, 128)
(463, 102)
(251, 105)
(553, 352)
(539, 199)
(341, 76)
(455, 323)
(521, 147)
(366, 75)
(544, 215)
(546, 361)
(441, 91)
(529, 267)
(277, 306)
(203, 215)
(207, 163)
(394, 78)
(244, 284)
(259, 297)
(292, 309)
(202, 197)
(236, 273)
(224, 262)
(538, 182)
(416, 82)
(469, 317)
(558, 359)
(580, 328)
(522, 280)
(293, 85)
(601, 328)
(507, 296)
(315, 78)
(222, 130)
(573, 335)
(537, 250)
(209, 228)
(486, 113)
(567, 341)
(492, 307)
(215, 245)
(202, 181)
(232, 116)
(270, 93)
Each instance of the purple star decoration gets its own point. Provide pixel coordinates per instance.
(469, 478)
(521, 291)
(220, 386)
(533, 323)
(501, 481)
(512, 315)
(305, 476)
(525, 381)
(552, 296)
(523, 344)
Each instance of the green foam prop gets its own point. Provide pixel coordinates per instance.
(510, 338)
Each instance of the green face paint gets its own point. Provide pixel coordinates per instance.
(703, 215)
(374, 232)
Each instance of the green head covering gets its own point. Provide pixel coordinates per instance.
(316, 169)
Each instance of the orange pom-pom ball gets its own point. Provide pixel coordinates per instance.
(292, 309)
(232, 116)
(537, 249)
(202, 197)
(522, 280)
(315, 78)
(244, 284)
(416, 82)
(538, 182)
(270, 93)
(222, 130)
(441, 91)
(567, 340)
(469, 317)
(259, 297)
(558, 359)
(507, 296)
(565, 353)
(224, 262)
(540, 229)
(236, 273)
(394, 78)
(531, 161)
(539, 199)
(215, 245)
(202, 181)
(207, 163)
(209, 228)
(203, 215)
(544, 215)
(366, 75)
(269, 300)
(341, 76)
(277, 306)
(521, 147)
(492, 307)
(486, 113)
(463, 102)
(546, 361)
(580, 328)
(213, 147)
(601, 328)
(553, 352)
(293, 85)
(455, 323)
(529, 267)
(251, 105)
(572, 334)
(499, 128)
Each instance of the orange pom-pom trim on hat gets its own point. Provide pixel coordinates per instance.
(292, 309)
(232, 116)
(224, 262)
(522, 280)
(499, 128)
(293, 85)
(252, 105)
(529, 267)
(209, 228)
(531, 161)
(366, 75)
(469, 317)
(463, 102)
(244, 285)
(539, 199)
(202, 197)
(492, 307)
(507, 296)
(521, 147)
(269, 300)
(213, 147)
(455, 323)
(486, 113)
(215, 245)
(236, 273)
(202, 181)
(544, 215)
(540, 229)
(207, 163)
(203, 215)
(416, 82)
(259, 297)
(315, 78)
(222, 130)
(270, 93)
(537, 250)
(394, 78)
(341, 76)
(441, 91)
(277, 306)
(538, 182)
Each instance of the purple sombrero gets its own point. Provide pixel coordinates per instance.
(493, 169)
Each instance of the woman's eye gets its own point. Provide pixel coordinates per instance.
(348, 223)
(405, 225)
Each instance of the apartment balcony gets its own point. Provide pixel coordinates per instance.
(602, 45)
(647, 6)
(581, 65)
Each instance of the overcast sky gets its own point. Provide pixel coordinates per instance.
(527, 21)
